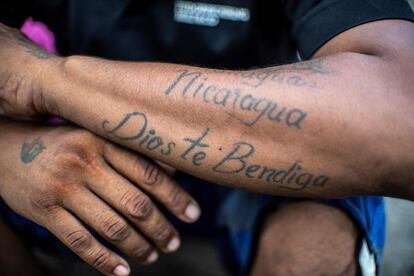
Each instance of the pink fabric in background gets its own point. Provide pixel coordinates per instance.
(40, 34)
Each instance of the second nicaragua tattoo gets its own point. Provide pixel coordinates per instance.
(245, 107)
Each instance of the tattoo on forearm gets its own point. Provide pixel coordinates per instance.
(30, 151)
(294, 74)
(141, 134)
(135, 127)
(32, 48)
(245, 107)
(294, 177)
(196, 143)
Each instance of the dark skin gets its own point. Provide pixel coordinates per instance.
(307, 238)
(336, 126)
(65, 175)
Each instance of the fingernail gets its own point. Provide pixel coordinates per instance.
(192, 211)
(173, 244)
(152, 257)
(121, 270)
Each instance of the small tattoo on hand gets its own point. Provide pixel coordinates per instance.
(31, 150)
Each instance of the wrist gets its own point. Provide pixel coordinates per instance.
(22, 72)
(62, 86)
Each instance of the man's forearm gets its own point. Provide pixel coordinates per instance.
(326, 127)
(321, 128)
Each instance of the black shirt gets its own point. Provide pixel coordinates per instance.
(212, 33)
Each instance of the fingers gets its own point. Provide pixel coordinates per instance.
(138, 208)
(148, 176)
(71, 232)
(110, 225)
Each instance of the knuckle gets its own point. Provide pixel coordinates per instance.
(162, 233)
(73, 155)
(177, 198)
(152, 174)
(66, 185)
(139, 206)
(77, 154)
(142, 252)
(101, 260)
(44, 203)
(116, 230)
(139, 163)
(80, 241)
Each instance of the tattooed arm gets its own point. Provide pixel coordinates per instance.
(334, 126)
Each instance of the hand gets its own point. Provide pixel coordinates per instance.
(66, 177)
(22, 65)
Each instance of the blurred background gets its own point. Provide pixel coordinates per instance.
(399, 246)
